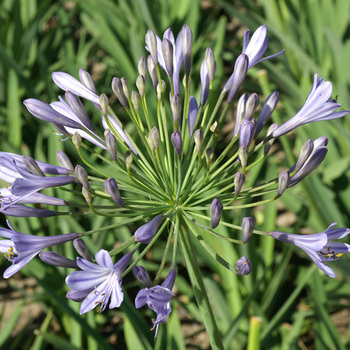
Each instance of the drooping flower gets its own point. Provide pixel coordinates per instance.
(97, 283)
(317, 107)
(158, 299)
(320, 246)
(26, 247)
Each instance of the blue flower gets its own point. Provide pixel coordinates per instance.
(158, 299)
(97, 283)
(26, 247)
(318, 106)
(320, 246)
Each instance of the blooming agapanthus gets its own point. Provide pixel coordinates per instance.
(20, 247)
(97, 283)
(158, 299)
(320, 247)
(318, 106)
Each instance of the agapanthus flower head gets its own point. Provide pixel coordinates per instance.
(158, 299)
(320, 247)
(98, 283)
(20, 247)
(318, 106)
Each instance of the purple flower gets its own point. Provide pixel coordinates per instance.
(318, 106)
(177, 57)
(192, 114)
(97, 283)
(313, 161)
(216, 209)
(256, 47)
(67, 83)
(146, 232)
(26, 247)
(243, 266)
(320, 246)
(158, 299)
(64, 109)
(205, 83)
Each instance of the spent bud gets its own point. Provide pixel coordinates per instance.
(216, 210)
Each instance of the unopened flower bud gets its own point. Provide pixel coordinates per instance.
(247, 228)
(153, 138)
(78, 108)
(76, 138)
(142, 67)
(111, 144)
(240, 113)
(176, 140)
(198, 137)
(238, 181)
(167, 48)
(87, 195)
(146, 232)
(142, 275)
(64, 160)
(175, 104)
(246, 133)
(169, 280)
(152, 72)
(243, 266)
(211, 64)
(126, 89)
(32, 165)
(160, 89)
(269, 143)
(216, 210)
(151, 42)
(205, 83)
(283, 182)
(104, 103)
(135, 99)
(55, 259)
(192, 114)
(111, 187)
(128, 159)
(82, 176)
(266, 111)
(305, 152)
(209, 155)
(238, 76)
(243, 156)
(117, 88)
(186, 34)
(86, 80)
(140, 84)
(81, 248)
(251, 105)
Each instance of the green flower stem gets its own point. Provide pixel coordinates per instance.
(209, 228)
(163, 172)
(224, 153)
(250, 205)
(254, 338)
(185, 106)
(104, 228)
(165, 254)
(122, 246)
(167, 142)
(189, 171)
(148, 247)
(213, 114)
(145, 111)
(260, 159)
(199, 289)
(90, 165)
(176, 240)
